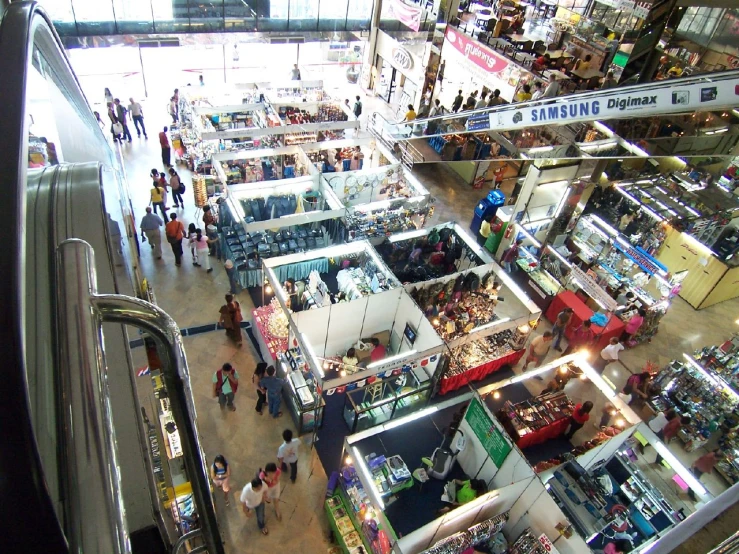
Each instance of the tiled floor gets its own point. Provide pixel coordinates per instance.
(248, 441)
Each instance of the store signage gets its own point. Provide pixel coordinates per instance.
(402, 58)
(640, 258)
(478, 122)
(641, 10)
(475, 52)
(410, 16)
(487, 433)
(592, 288)
(722, 94)
(547, 544)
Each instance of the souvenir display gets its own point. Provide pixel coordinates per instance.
(268, 318)
(382, 222)
(473, 354)
(527, 543)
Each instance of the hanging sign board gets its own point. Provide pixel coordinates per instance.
(593, 289)
(487, 433)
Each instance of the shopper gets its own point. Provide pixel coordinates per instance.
(231, 319)
(108, 96)
(509, 257)
(608, 354)
(201, 81)
(350, 361)
(156, 197)
(482, 102)
(618, 546)
(466, 491)
(252, 502)
(706, 463)
(122, 115)
(175, 184)
(471, 101)
(201, 249)
(137, 115)
(150, 230)
(538, 349)
(357, 107)
(638, 387)
(220, 473)
(115, 126)
(485, 231)
(582, 337)
(538, 90)
(287, 453)
(192, 236)
(670, 431)
(160, 178)
(271, 477)
(580, 416)
(175, 232)
(295, 73)
(225, 385)
(273, 386)
(457, 102)
(609, 81)
(552, 89)
(172, 109)
(495, 99)
(166, 150)
(232, 277)
(259, 373)
(208, 218)
(524, 94)
(410, 115)
(560, 325)
(632, 327)
(378, 350)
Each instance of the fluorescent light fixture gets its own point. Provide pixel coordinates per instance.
(596, 378)
(407, 419)
(663, 191)
(374, 494)
(560, 182)
(529, 236)
(692, 211)
(627, 195)
(643, 181)
(603, 225)
(603, 129)
(700, 369)
(530, 374)
(679, 468)
(276, 285)
(542, 149)
(698, 244)
(395, 358)
(718, 131)
(469, 507)
(311, 352)
(491, 324)
(409, 235)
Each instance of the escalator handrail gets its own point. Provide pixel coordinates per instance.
(27, 507)
(77, 268)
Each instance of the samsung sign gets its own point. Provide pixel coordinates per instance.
(719, 94)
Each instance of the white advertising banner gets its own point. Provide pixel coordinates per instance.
(642, 103)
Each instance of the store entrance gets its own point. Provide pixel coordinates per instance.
(394, 87)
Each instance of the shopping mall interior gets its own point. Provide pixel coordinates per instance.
(528, 210)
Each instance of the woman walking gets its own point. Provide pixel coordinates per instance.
(176, 185)
(157, 199)
(579, 417)
(231, 319)
(201, 249)
(192, 237)
(220, 473)
(259, 373)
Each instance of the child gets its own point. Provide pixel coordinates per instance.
(192, 236)
(287, 453)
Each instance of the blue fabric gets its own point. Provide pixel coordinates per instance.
(247, 278)
(274, 400)
(599, 319)
(272, 384)
(301, 270)
(260, 514)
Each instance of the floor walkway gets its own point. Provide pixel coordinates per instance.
(248, 440)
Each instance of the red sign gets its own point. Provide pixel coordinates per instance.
(476, 52)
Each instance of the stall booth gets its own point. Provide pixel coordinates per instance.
(344, 296)
(263, 164)
(276, 218)
(381, 201)
(695, 386)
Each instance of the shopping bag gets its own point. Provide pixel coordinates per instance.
(117, 128)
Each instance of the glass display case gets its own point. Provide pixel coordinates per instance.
(535, 277)
(383, 400)
(587, 241)
(300, 391)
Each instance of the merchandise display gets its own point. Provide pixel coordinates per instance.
(272, 326)
(304, 402)
(527, 543)
(722, 361)
(538, 419)
(541, 278)
(363, 222)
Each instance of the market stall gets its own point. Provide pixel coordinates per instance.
(390, 182)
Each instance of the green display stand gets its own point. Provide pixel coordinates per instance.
(494, 240)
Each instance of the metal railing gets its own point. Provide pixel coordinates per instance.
(728, 546)
(387, 133)
(95, 517)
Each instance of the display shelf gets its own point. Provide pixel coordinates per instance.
(649, 501)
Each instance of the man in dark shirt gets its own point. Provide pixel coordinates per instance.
(458, 102)
(122, 115)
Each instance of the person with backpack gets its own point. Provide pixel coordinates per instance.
(225, 385)
(637, 386)
(231, 319)
(357, 107)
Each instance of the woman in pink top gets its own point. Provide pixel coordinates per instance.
(633, 325)
(617, 546)
(271, 476)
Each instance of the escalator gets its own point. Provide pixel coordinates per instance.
(562, 124)
(77, 475)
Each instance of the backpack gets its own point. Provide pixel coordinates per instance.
(219, 384)
(358, 108)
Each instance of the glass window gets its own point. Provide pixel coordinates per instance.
(241, 15)
(303, 15)
(359, 14)
(133, 16)
(272, 15)
(206, 17)
(170, 16)
(332, 15)
(62, 15)
(94, 17)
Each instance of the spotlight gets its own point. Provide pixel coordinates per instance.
(268, 289)
(342, 373)
(563, 370)
(326, 365)
(583, 377)
(435, 322)
(620, 422)
(348, 460)
(367, 516)
(496, 395)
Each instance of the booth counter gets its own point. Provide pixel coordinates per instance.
(581, 312)
(535, 421)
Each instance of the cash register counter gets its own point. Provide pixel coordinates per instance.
(581, 312)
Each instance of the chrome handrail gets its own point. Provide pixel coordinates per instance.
(728, 546)
(180, 544)
(84, 310)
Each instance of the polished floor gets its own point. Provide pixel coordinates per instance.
(193, 297)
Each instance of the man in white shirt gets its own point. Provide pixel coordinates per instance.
(538, 90)
(137, 114)
(552, 89)
(608, 354)
(252, 501)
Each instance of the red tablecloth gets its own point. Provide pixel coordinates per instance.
(544, 434)
(272, 344)
(581, 312)
(480, 372)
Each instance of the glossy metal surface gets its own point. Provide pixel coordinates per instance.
(82, 303)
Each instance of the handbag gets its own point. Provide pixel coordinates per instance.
(117, 128)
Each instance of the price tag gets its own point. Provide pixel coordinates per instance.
(547, 544)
